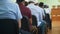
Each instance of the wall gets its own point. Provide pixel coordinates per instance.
(50, 2)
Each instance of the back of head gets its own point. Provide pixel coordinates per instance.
(19, 1)
(31, 2)
(41, 4)
(37, 4)
(46, 6)
(26, 3)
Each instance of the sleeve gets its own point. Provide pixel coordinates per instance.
(43, 13)
(29, 13)
(19, 15)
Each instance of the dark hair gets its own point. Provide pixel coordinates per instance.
(36, 3)
(31, 2)
(26, 3)
(20, 1)
(41, 4)
(46, 6)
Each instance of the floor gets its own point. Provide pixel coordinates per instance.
(55, 28)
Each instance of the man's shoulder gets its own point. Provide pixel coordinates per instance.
(14, 4)
(27, 9)
(31, 6)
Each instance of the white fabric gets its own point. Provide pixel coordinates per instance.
(41, 10)
(35, 11)
(47, 10)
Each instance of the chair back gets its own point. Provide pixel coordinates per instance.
(25, 23)
(34, 20)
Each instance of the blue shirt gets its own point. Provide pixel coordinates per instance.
(9, 10)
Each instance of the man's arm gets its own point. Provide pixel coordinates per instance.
(18, 16)
(19, 23)
(30, 21)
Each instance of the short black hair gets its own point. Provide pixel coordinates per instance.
(26, 3)
(20, 1)
(41, 4)
(46, 6)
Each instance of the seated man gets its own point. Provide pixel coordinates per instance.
(26, 12)
(48, 15)
(36, 10)
(10, 17)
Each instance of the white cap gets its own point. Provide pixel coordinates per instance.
(32, 0)
(27, 0)
(35, 1)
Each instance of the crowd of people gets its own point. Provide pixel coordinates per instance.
(24, 17)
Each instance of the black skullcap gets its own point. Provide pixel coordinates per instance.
(20, 1)
(41, 4)
(46, 6)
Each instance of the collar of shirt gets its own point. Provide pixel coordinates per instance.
(31, 5)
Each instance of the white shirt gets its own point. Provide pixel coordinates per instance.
(41, 10)
(47, 10)
(35, 11)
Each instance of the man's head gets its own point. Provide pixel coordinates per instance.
(46, 6)
(19, 1)
(26, 3)
(31, 2)
(37, 4)
(41, 4)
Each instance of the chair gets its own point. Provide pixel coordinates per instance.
(25, 23)
(34, 23)
(34, 20)
(8, 26)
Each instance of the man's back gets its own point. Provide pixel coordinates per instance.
(35, 12)
(9, 10)
(10, 17)
(24, 10)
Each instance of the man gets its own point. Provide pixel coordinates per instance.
(47, 18)
(10, 17)
(41, 5)
(25, 11)
(35, 10)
